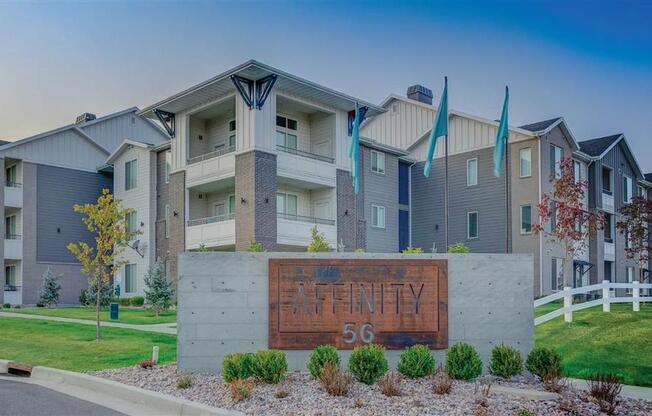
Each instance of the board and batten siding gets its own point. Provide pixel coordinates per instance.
(112, 132)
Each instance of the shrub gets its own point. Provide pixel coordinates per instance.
(184, 382)
(147, 364)
(136, 301)
(359, 250)
(50, 288)
(106, 294)
(442, 382)
(413, 250)
(158, 290)
(237, 366)
(281, 393)
(40, 305)
(542, 360)
(335, 381)
(321, 355)
(481, 390)
(505, 361)
(7, 305)
(255, 247)
(524, 412)
(463, 362)
(270, 366)
(390, 384)
(605, 388)
(240, 389)
(124, 301)
(552, 381)
(416, 361)
(17, 306)
(458, 248)
(318, 242)
(368, 363)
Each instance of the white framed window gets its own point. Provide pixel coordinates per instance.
(606, 180)
(577, 171)
(471, 172)
(10, 276)
(231, 204)
(167, 221)
(378, 162)
(556, 153)
(557, 273)
(286, 132)
(219, 209)
(628, 189)
(377, 216)
(131, 174)
(11, 175)
(11, 227)
(640, 191)
(525, 158)
(472, 225)
(232, 131)
(286, 204)
(526, 219)
(131, 220)
(130, 278)
(168, 165)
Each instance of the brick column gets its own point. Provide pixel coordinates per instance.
(255, 200)
(177, 240)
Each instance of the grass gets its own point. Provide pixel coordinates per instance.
(127, 315)
(73, 346)
(617, 342)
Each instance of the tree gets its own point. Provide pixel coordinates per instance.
(318, 243)
(49, 293)
(570, 223)
(106, 219)
(106, 295)
(636, 217)
(158, 291)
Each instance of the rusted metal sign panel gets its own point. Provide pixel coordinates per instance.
(349, 302)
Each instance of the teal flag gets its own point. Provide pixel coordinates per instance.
(354, 149)
(439, 128)
(502, 136)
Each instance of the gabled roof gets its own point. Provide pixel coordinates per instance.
(544, 127)
(221, 85)
(648, 177)
(598, 146)
(126, 144)
(540, 126)
(373, 144)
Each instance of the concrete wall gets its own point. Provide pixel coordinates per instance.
(223, 304)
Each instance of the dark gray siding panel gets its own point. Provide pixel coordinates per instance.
(58, 190)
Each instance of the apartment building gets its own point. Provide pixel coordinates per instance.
(44, 176)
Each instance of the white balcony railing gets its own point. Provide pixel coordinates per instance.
(210, 167)
(13, 295)
(211, 232)
(13, 246)
(607, 202)
(13, 195)
(309, 155)
(305, 169)
(609, 251)
(295, 230)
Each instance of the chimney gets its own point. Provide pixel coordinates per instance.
(420, 93)
(84, 117)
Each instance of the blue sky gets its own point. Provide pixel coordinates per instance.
(589, 61)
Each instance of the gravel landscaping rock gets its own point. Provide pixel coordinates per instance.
(306, 397)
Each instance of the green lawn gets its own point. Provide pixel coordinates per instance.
(127, 315)
(618, 342)
(73, 346)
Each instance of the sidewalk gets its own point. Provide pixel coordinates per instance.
(169, 328)
(634, 392)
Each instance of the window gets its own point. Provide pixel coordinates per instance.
(526, 219)
(608, 225)
(231, 204)
(608, 273)
(10, 227)
(525, 156)
(10, 276)
(471, 172)
(577, 171)
(377, 162)
(168, 165)
(286, 204)
(286, 133)
(132, 221)
(471, 225)
(640, 191)
(231, 133)
(628, 189)
(11, 176)
(630, 274)
(557, 272)
(556, 153)
(167, 221)
(377, 216)
(628, 241)
(130, 278)
(131, 174)
(606, 180)
(219, 210)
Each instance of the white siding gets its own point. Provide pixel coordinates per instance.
(112, 132)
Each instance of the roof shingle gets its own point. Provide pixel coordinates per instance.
(540, 125)
(595, 147)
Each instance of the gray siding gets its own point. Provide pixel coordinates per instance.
(2, 229)
(346, 212)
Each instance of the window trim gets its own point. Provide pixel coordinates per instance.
(554, 166)
(378, 158)
(228, 203)
(135, 174)
(468, 225)
(285, 195)
(521, 214)
(129, 215)
(578, 164)
(132, 266)
(520, 165)
(377, 208)
(475, 159)
(232, 133)
(609, 191)
(628, 198)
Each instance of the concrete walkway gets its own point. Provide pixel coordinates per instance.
(170, 328)
(634, 392)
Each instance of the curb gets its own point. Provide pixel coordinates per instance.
(162, 404)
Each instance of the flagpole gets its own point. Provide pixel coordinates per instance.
(507, 171)
(446, 194)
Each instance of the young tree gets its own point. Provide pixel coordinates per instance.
(106, 219)
(636, 217)
(318, 243)
(570, 222)
(158, 291)
(49, 293)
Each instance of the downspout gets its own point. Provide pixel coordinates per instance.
(540, 234)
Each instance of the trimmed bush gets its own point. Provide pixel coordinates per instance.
(368, 363)
(505, 361)
(416, 361)
(413, 250)
(136, 301)
(124, 301)
(540, 361)
(270, 366)
(463, 362)
(237, 366)
(321, 355)
(7, 305)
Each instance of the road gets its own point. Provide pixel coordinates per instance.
(23, 399)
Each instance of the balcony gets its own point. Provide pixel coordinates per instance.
(607, 202)
(13, 247)
(13, 295)
(305, 167)
(210, 167)
(216, 231)
(294, 230)
(609, 251)
(13, 195)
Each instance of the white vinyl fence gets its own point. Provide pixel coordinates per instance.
(607, 299)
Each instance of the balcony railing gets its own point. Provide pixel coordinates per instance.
(12, 237)
(211, 220)
(12, 184)
(12, 288)
(302, 218)
(305, 154)
(211, 155)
